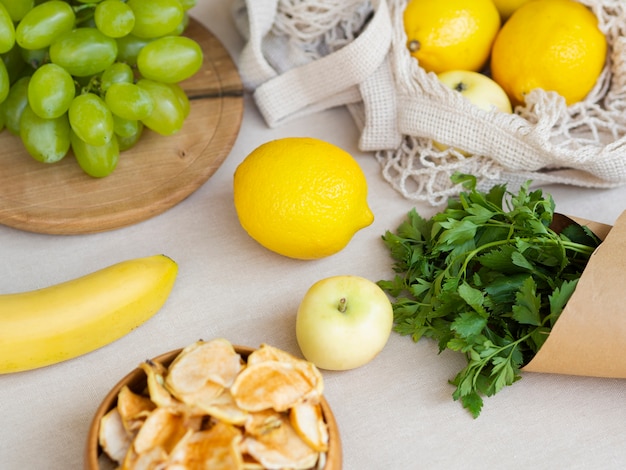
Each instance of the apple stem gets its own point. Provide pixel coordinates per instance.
(461, 87)
(342, 307)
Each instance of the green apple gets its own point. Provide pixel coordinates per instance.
(343, 322)
(481, 90)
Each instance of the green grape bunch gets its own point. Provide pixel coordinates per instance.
(90, 75)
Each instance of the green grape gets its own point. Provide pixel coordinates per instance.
(97, 161)
(188, 4)
(50, 91)
(14, 104)
(155, 18)
(170, 59)
(125, 127)
(46, 140)
(83, 52)
(168, 114)
(128, 141)
(129, 101)
(14, 63)
(114, 18)
(35, 57)
(117, 72)
(17, 9)
(182, 26)
(91, 119)
(42, 25)
(183, 99)
(5, 83)
(7, 30)
(128, 48)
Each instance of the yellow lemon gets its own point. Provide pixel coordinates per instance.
(451, 34)
(555, 45)
(507, 7)
(301, 197)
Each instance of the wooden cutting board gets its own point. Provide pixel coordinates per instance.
(153, 176)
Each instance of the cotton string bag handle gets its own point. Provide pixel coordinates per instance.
(336, 79)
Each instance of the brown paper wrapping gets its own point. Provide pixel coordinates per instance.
(589, 337)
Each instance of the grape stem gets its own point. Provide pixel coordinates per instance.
(90, 8)
(84, 6)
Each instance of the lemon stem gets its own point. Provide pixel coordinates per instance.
(342, 307)
(414, 45)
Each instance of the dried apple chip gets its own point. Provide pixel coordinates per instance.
(280, 447)
(202, 398)
(155, 376)
(163, 428)
(250, 464)
(272, 384)
(152, 459)
(222, 408)
(267, 352)
(262, 422)
(133, 408)
(225, 409)
(215, 361)
(216, 448)
(308, 421)
(113, 437)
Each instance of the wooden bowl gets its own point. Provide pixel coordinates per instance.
(136, 381)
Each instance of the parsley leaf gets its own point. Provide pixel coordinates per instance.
(487, 277)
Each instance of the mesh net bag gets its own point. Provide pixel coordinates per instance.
(305, 56)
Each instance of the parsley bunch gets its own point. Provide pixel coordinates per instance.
(487, 277)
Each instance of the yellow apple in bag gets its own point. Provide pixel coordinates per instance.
(481, 90)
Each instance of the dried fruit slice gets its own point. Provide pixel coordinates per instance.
(155, 375)
(271, 384)
(267, 352)
(263, 422)
(113, 437)
(250, 464)
(225, 409)
(151, 459)
(163, 428)
(216, 448)
(202, 398)
(280, 447)
(215, 361)
(308, 421)
(133, 408)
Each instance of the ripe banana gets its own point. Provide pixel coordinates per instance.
(60, 322)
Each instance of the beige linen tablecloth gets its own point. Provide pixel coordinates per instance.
(394, 413)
